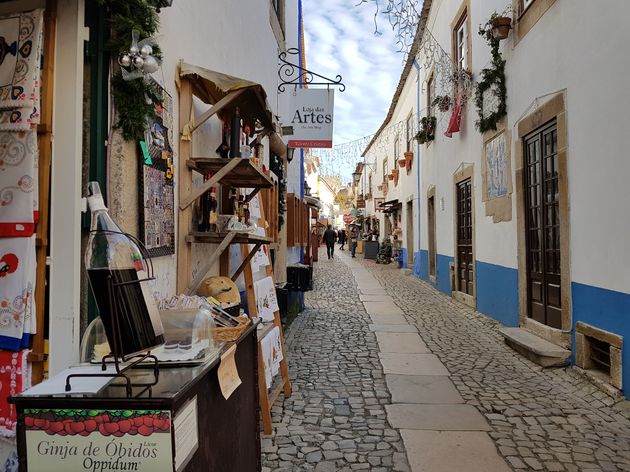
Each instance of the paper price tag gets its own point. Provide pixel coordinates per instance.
(227, 372)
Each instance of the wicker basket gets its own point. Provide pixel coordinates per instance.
(230, 334)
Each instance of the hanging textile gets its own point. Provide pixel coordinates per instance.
(455, 122)
(15, 377)
(17, 286)
(18, 183)
(20, 52)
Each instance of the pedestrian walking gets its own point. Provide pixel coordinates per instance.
(341, 237)
(354, 235)
(330, 236)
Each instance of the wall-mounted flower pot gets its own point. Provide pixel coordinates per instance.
(390, 176)
(379, 187)
(501, 26)
(402, 162)
(409, 156)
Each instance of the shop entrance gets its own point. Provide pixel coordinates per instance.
(410, 235)
(431, 223)
(543, 226)
(465, 261)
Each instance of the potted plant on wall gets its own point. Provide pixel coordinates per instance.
(500, 25)
(390, 176)
(402, 162)
(395, 173)
(427, 129)
(442, 102)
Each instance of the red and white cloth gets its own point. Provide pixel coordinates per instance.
(15, 377)
(18, 266)
(455, 122)
(18, 183)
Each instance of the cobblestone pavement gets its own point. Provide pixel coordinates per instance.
(335, 420)
(551, 419)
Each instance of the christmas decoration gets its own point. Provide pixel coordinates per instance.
(492, 83)
(135, 100)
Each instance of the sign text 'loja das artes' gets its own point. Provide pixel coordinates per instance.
(310, 115)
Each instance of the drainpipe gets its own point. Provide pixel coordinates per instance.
(417, 66)
(301, 51)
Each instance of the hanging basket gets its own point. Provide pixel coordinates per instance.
(501, 26)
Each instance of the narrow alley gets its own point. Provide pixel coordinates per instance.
(391, 375)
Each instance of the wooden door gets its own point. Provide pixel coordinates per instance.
(431, 221)
(543, 227)
(465, 261)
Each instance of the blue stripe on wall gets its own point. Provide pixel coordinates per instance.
(420, 265)
(497, 292)
(608, 310)
(443, 273)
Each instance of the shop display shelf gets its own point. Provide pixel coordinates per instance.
(244, 175)
(217, 238)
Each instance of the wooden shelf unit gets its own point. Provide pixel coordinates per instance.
(235, 173)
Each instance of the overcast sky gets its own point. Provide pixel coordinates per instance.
(340, 39)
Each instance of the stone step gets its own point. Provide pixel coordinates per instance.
(535, 348)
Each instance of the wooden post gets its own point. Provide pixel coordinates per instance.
(184, 249)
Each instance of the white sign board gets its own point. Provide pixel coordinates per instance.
(310, 114)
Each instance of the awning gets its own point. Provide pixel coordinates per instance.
(389, 205)
(225, 93)
(313, 202)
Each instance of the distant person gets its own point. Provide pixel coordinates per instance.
(341, 236)
(330, 237)
(354, 235)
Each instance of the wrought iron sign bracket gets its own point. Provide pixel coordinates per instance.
(290, 74)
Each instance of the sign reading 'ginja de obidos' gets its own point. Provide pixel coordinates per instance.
(98, 440)
(311, 116)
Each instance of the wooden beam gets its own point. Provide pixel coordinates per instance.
(246, 261)
(254, 192)
(216, 108)
(184, 223)
(44, 144)
(194, 285)
(186, 201)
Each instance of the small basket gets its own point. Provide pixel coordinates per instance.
(230, 334)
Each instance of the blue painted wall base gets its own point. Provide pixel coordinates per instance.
(497, 292)
(608, 310)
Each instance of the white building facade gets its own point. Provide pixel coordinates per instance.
(524, 223)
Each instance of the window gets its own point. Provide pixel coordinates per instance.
(525, 4)
(276, 18)
(396, 152)
(409, 132)
(385, 169)
(370, 183)
(430, 95)
(461, 44)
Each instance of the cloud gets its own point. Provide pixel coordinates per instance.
(340, 39)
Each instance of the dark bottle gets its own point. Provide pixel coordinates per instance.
(113, 261)
(235, 134)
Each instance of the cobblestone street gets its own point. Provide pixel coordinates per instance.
(337, 418)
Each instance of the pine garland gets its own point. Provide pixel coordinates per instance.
(492, 76)
(277, 167)
(135, 99)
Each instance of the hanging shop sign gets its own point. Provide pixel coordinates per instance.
(97, 440)
(311, 116)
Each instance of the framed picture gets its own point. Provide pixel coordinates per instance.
(157, 197)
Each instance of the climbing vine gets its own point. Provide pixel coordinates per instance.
(134, 99)
(492, 78)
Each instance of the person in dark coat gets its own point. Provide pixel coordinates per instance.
(341, 236)
(330, 237)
